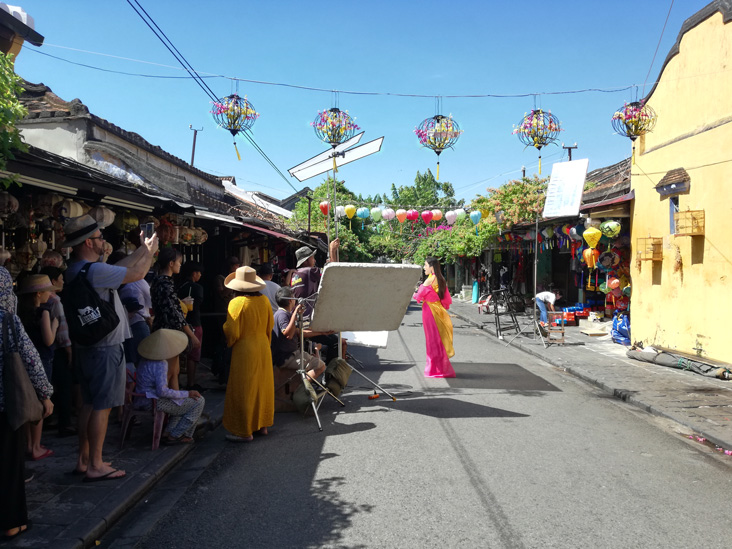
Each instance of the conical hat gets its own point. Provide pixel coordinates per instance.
(163, 344)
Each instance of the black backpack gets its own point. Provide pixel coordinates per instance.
(89, 317)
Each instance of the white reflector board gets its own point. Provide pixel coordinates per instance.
(564, 194)
(364, 297)
(327, 155)
(367, 339)
(349, 156)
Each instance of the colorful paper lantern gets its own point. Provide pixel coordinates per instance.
(608, 260)
(235, 114)
(537, 129)
(66, 209)
(590, 256)
(475, 217)
(592, 236)
(460, 214)
(427, 216)
(340, 211)
(450, 217)
(363, 214)
(388, 214)
(575, 235)
(103, 216)
(324, 207)
(376, 214)
(438, 133)
(610, 228)
(436, 215)
(613, 283)
(412, 215)
(401, 215)
(350, 210)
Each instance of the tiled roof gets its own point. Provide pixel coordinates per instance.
(611, 181)
(43, 104)
(678, 175)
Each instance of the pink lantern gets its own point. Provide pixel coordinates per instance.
(412, 215)
(427, 216)
(451, 217)
(388, 214)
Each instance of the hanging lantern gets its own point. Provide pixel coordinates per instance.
(538, 129)
(340, 212)
(388, 214)
(66, 209)
(475, 217)
(166, 232)
(633, 120)
(426, 216)
(460, 214)
(592, 236)
(590, 256)
(38, 247)
(204, 236)
(363, 214)
(592, 222)
(186, 236)
(450, 217)
(610, 228)
(126, 221)
(334, 127)
(412, 215)
(436, 215)
(324, 207)
(438, 133)
(608, 260)
(350, 210)
(235, 114)
(44, 204)
(8, 204)
(401, 215)
(103, 216)
(376, 214)
(25, 257)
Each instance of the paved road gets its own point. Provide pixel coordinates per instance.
(513, 453)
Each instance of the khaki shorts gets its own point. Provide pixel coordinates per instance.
(293, 362)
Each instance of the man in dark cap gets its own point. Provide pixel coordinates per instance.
(305, 282)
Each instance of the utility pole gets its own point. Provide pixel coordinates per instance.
(569, 150)
(523, 172)
(310, 205)
(195, 133)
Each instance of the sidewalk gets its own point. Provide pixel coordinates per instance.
(69, 513)
(702, 404)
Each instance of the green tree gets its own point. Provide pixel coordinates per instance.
(10, 112)
(517, 201)
(426, 192)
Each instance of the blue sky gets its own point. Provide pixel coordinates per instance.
(423, 48)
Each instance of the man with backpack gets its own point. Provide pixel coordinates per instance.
(98, 329)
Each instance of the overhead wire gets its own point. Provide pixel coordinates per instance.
(197, 78)
(657, 47)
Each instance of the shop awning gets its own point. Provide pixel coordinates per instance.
(270, 233)
(617, 200)
(211, 216)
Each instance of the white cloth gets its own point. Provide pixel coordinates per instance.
(271, 292)
(547, 297)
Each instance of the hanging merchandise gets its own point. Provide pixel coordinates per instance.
(66, 209)
(450, 217)
(334, 127)
(592, 236)
(608, 260)
(460, 214)
(436, 215)
(610, 228)
(590, 222)
(438, 133)
(427, 216)
(324, 207)
(340, 211)
(8, 204)
(538, 129)
(376, 214)
(126, 221)
(412, 215)
(388, 214)
(235, 114)
(401, 215)
(590, 256)
(633, 120)
(350, 210)
(475, 218)
(103, 216)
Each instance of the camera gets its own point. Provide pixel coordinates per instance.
(148, 229)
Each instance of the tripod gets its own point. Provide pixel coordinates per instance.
(537, 330)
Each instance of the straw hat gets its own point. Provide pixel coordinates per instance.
(244, 279)
(303, 254)
(163, 344)
(78, 229)
(36, 283)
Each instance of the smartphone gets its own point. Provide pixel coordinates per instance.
(149, 229)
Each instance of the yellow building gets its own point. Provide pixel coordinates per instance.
(682, 267)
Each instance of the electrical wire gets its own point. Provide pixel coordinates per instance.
(657, 46)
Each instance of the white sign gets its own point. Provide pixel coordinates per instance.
(564, 195)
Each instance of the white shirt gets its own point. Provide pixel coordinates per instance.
(547, 297)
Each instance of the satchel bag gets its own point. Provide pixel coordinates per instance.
(21, 401)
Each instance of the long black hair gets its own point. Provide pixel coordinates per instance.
(165, 258)
(441, 283)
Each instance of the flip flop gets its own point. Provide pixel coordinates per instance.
(108, 476)
(19, 532)
(47, 453)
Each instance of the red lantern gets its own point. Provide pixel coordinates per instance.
(325, 207)
(412, 215)
(427, 216)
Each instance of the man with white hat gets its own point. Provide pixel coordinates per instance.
(101, 367)
(305, 283)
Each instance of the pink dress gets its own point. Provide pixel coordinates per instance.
(437, 329)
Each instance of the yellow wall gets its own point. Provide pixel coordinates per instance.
(690, 307)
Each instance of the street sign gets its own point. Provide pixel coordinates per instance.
(324, 161)
(564, 194)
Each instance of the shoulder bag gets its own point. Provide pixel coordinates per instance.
(21, 401)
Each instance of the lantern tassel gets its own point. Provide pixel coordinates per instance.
(335, 168)
(438, 171)
(539, 164)
(238, 156)
(632, 158)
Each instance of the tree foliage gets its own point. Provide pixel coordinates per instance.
(11, 111)
(518, 201)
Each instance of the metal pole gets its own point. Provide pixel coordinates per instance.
(536, 263)
(195, 134)
(310, 204)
